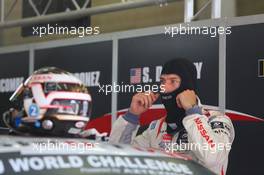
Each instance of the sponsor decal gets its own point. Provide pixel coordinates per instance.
(10, 84)
(74, 131)
(183, 137)
(142, 74)
(218, 131)
(33, 110)
(90, 79)
(135, 75)
(37, 124)
(79, 164)
(153, 125)
(220, 127)
(50, 86)
(217, 124)
(165, 141)
(167, 137)
(203, 132)
(41, 77)
(79, 124)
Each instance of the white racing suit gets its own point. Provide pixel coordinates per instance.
(207, 137)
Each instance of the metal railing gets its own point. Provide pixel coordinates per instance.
(82, 11)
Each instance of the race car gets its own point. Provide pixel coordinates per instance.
(42, 155)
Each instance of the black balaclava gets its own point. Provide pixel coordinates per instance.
(187, 71)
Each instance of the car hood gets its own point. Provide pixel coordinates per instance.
(39, 155)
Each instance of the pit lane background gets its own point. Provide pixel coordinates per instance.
(231, 74)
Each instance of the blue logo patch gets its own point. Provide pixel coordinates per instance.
(37, 124)
(33, 110)
(18, 121)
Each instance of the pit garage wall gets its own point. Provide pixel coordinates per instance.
(148, 50)
(13, 71)
(245, 93)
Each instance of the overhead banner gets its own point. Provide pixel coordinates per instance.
(91, 63)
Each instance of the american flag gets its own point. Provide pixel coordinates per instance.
(135, 75)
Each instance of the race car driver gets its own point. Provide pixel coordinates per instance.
(186, 123)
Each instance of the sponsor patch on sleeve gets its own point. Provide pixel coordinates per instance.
(217, 125)
(220, 127)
